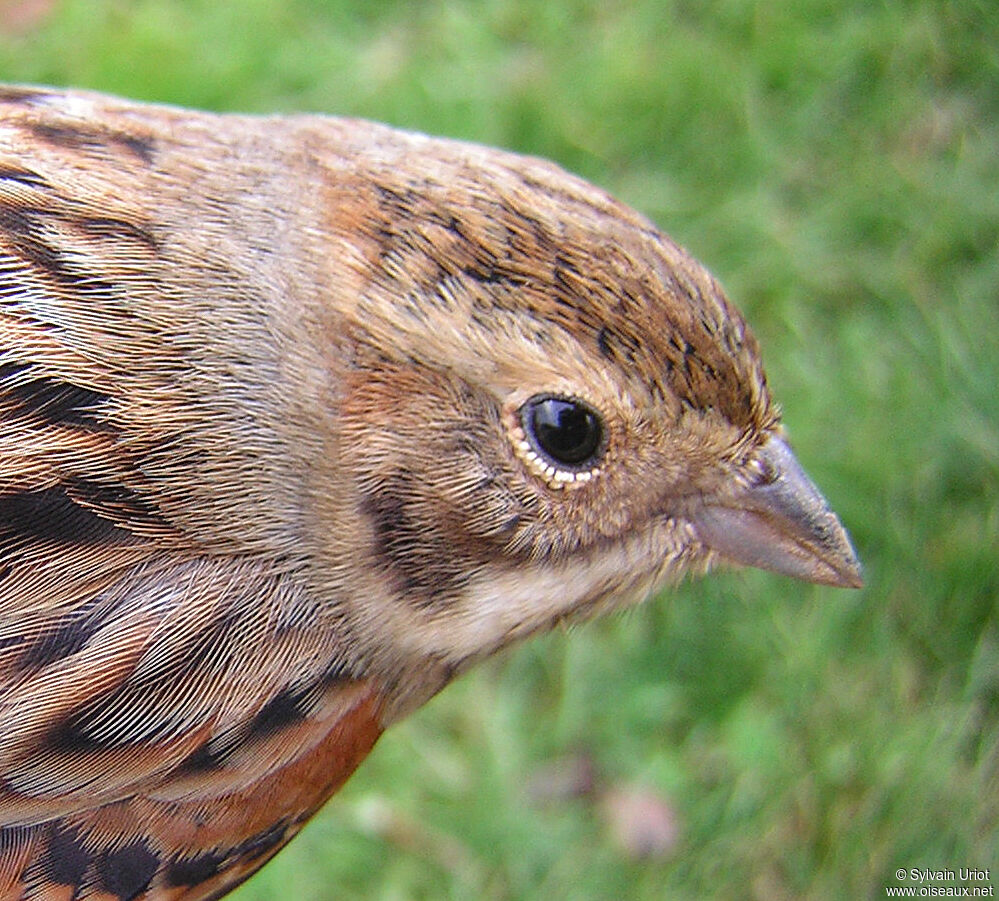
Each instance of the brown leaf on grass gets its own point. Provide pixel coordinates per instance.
(642, 824)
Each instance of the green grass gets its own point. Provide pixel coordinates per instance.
(837, 165)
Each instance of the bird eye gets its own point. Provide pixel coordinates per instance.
(566, 431)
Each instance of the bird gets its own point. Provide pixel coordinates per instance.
(300, 418)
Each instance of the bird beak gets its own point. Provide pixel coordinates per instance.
(784, 525)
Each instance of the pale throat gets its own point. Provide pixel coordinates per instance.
(502, 604)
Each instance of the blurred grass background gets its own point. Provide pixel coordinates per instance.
(836, 164)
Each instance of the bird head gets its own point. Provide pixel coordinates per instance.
(547, 409)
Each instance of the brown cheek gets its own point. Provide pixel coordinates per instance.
(410, 547)
(430, 494)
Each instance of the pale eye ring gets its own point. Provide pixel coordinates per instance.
(564, 430)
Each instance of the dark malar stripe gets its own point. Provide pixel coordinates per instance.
(406, 549)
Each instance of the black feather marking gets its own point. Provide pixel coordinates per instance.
(71, 737)
(93, 139)
(143, 148)
(127, 871)
(335, 674)
(84, 730)
(410, 550)
(252, 849)
(204, 759)
(287, 707)
(17, 95)
(52, 516)
(50, 399)
(208, 644)
(116, 501)
(284, 709)
(23, 229)
(261, 843)
(113, 227)
(81, 512)
(194, 870)
(23, 176)
(70, 634)
(604, 342)
(66, 859)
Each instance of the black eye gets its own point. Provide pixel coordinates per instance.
(566, 431)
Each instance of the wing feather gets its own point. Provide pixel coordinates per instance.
(173, 702)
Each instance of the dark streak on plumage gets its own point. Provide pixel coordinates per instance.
(491, 273)
(127, 871)
(70, 634)
(84, 729)
(70, 736)
(209, 642)
(103, 140)
(50, 399)
(290, 705)
(205, 759)
(66, 859)
(119, 503)
(213, 862)
(117, 229)
(404, 547)
(23, 229)
(54, 517)
(335, 674)
(398, 204)
(80, 512)
(603, 342)
(294, 703)
(259, 844)
(143, 148)
(287, 707)
(22, 95)
(23, 176)
(194, 870)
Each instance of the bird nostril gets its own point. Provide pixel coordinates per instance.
(762, 472)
